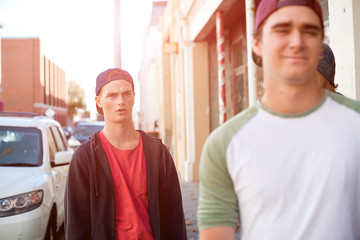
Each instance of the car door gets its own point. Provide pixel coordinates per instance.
(58, 143)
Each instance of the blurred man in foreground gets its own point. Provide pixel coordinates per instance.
(278, 164)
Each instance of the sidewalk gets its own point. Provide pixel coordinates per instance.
(190, 197)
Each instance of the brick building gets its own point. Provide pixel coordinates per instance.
(30, 81)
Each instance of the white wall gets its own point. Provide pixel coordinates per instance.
(344, 34)
(148, 77)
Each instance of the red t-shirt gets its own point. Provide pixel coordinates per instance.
(128, 170)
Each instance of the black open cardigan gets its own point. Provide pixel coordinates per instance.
(89, 195)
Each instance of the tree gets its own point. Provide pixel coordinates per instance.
(76, 96)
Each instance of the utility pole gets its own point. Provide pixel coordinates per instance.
(117, 36)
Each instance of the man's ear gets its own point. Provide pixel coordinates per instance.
(97, 100)
(256, 56)
(257, 47)
(134, 97)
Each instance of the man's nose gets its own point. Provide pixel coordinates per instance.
(120, 99)
(296, 39)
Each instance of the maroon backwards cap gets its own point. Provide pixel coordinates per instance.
(108, 76)
(267, 7)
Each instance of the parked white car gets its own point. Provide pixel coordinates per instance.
(34, 162)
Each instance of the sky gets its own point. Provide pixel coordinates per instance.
(78, 35)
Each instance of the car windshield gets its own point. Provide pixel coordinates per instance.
(87, 130)
(20, 146)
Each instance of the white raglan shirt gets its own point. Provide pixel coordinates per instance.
(288, 176)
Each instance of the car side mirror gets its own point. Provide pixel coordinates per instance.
(62, 158)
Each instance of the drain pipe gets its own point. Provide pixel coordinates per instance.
(220, 42)
(250, 24)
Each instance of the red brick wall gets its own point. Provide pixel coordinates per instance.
(29, 78)
(18, 73)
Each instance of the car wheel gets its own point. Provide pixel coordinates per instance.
(51, 228)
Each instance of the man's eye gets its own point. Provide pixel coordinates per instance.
(311, 33)
(281, 30)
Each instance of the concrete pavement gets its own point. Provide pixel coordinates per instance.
(190, 197)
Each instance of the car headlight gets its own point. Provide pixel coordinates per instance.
(20, 203)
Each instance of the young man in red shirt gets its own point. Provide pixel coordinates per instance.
(122, 183)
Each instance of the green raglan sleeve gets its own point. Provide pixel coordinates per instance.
(217, 199)
(350, 103)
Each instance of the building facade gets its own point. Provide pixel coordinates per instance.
(208, 74)
(149, 72)
(30, 81)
